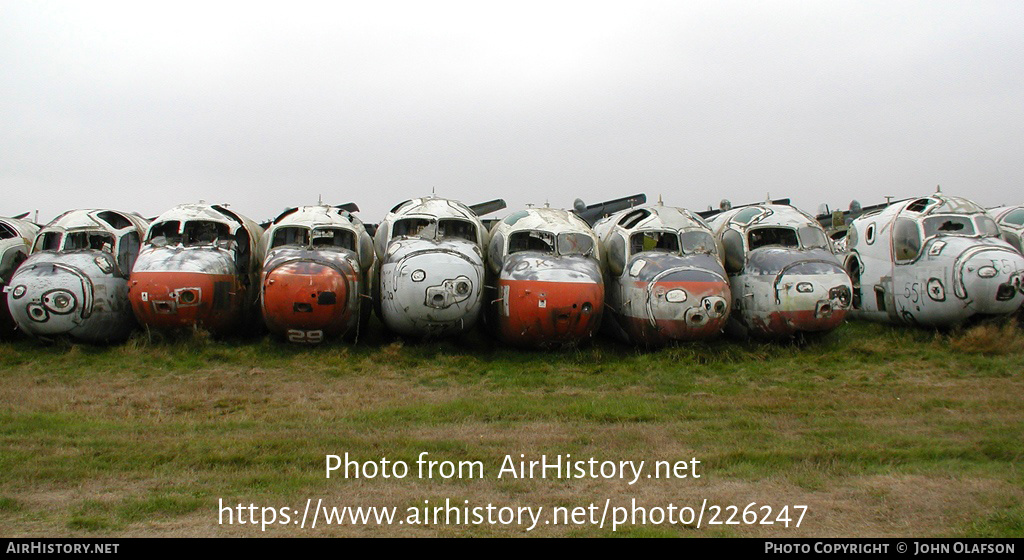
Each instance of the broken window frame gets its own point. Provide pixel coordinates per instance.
(931, 229)
(345, 235)
(546, 237)
(7, 232)
(635, 249)
(48, 241)
(94, 239)
(750, 245)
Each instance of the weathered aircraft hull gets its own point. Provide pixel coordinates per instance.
(431, 288)
(784, 293)
(180, 287)
(986, 279)
(12, 253)
(311, 295)
(79, 294)
(545, 301)
(662, 299)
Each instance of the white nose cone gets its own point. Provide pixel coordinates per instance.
(431, 292)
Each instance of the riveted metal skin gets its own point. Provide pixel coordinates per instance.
(430, 268)
(661, 295)
(75, 282)
(314, 286)
(785, 279)
(184, 280)
(544, 298)
(934, 261)
(16, 238)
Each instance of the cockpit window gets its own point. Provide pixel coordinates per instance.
(906, 239)
(412, 227)
(987, 227)
(114, 220)
(290, 236)
(948, 225)
(1015, 217)
(746, 215)
(772, 236)
(449, 228)
(458, 229)
(164, 232)
(201, 232)
(7, 232)
(812, 238)
(575, 244)
(96, 240)
(696, 242)
(540, 241)
(49, 241)
(663, 241)
(334, 237)
(194, 233)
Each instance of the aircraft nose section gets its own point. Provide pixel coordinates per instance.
(196, 287)
(549, 301)
(50, 299)
(432, 292)
(992, 282)
(307, 296)
(687, 304)
(810, 302)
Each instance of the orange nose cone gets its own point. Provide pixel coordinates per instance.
(306, 296)
(171, 300)
(540, 313)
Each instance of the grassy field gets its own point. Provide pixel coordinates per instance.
(879, 431)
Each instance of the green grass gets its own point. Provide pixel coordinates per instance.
(882, 431)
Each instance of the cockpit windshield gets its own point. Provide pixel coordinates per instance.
(321, 238)
(570, 243)
(538, 241)
(698, 242)
(96, 240)
(661, 241)
(429, 228)
(575, 244)
(948, 225)
(193, 233)
(772, 236)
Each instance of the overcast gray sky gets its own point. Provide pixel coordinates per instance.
(145, 105)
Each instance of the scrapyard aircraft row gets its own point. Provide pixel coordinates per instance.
(540, 277)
